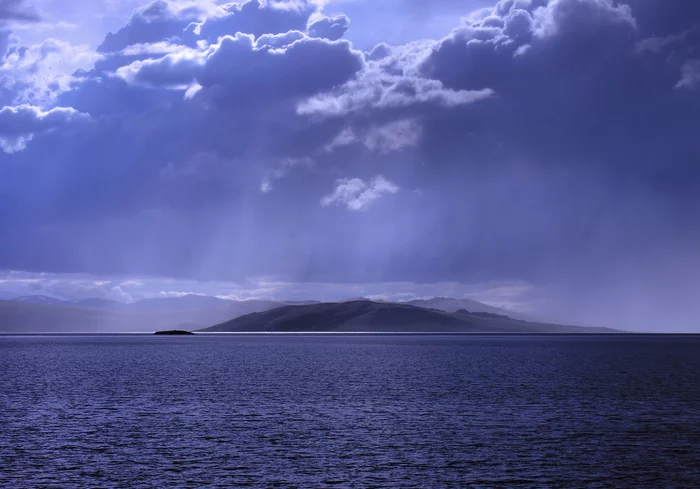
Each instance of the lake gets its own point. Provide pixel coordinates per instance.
(350, 411)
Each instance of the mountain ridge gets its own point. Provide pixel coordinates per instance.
(369, 316)
(43, 314)
(451, 304)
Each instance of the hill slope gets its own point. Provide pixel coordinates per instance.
(449, 304)
(367, 316)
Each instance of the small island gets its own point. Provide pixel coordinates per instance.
(174, 332)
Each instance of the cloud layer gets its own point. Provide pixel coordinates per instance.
(546, 141)
(17, 10)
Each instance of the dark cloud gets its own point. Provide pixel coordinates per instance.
(664, 20)
(19, 124)
(551, 142)
(391, 83)
(158, 21)
(17, 10)
(596, 129)
(166, 21)
(256, 18)
(303, 68)
(573, 88)
(332, 28)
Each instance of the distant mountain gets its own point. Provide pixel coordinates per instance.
(100, 304)
(368, 316)
(42, 314)
(18, 316)
(94, 303)
(448, 304)
(39, 299)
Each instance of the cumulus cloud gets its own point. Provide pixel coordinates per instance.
(331, 28)
(158, 21)
(357, 195)
(256, 18)
(571, 18)
(201, 23)
(389, 83)
(37, 74)
(162, 47)
(524, 51)
(304, 67)
(178, 70)
(19, 124)
(387, 92)
(279, 40)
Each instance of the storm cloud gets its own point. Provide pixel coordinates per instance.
(19, 124)
(17, 10)
(551, 143)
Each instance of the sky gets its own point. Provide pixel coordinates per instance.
(539, 155)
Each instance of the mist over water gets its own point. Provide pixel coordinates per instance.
(314, 411)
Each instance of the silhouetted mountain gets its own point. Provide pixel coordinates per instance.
(367, 316)
(483, 314)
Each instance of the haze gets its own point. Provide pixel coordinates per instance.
(540, 156)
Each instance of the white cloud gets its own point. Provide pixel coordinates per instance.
(192, 91)
(516, 295)
(345, 137)
(690, 76)
(394, 136)
(391, 81)
(386, 138)
(174, 293)
(39, 73)
(358, 195)
(162, 47)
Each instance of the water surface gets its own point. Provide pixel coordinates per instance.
(350, 411)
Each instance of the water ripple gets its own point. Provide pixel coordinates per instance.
(345, 411)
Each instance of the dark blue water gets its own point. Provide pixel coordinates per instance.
(350, 411)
